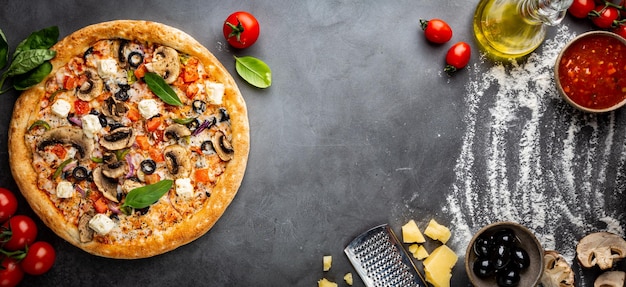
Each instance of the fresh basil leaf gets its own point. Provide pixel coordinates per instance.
(25, 81)
(254, 71)
(145, 196)
(4, 50)
(160, 88)
(28, 60)
(42, 39)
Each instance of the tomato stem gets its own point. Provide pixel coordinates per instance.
(423, 24)
(236, 30)
(449, 69)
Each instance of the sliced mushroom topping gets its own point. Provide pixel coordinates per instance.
(114, 109)
(556, 272)
(68, 135)
(107, 186)
(222, 146)
(177, 131)
(610, 279)
(177, 160)
(600, 248)
(118, 139)
(114, 170)
(166, 63)
(85, 234)
(91, 88)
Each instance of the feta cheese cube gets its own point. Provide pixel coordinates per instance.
(61, 108)
(107, 68)
(65, 189)
(215, 91)
(101, 224)
(91, 125)
(184, 188)
(148, 108)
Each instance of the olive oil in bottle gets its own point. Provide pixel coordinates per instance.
(509, 29)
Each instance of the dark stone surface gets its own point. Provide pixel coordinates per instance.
(360, 127)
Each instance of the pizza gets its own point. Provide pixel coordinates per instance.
(135, 143)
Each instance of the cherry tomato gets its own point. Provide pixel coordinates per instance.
(581, 8)
(458, 56)
(39, 258)
(623, 11)
(620, 30)
(10, 272)
(605, 17)
(23, 232)
(241, 29)
(8, 204)
(436, 30)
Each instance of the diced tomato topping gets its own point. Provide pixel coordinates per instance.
(59, 151)
(140, 72)
(190, 73)
(69, 83)
(202, 175)
(142, 142)
(192, 91)
(81, 107)
(153, 124)
(133, 114)
(100, 205)
(156, 154)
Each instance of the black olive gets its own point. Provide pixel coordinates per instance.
(199, 106)
(504, 236)
(135, 59)
(207, 146)
(483, 268)
(520, 258)
(208, 194)
(116, 125)
(508, 278)
(193, 124)
(114, 216)
(502, 256)
(122, 94)
(224, 115)
(69, 119)
(103, 120)
(483, 246)
(119, 196)
(120, 52)
(148, 166)
(144, 210)
(87, 53)
(80, 173)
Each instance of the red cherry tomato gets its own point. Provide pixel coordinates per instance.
(606, 16)
(23, 231)
(436, 30)
(10, 272)
(241, 29)
(458, 56)
(620, 30)
(8, 204)
(623, 11)
(581, 8)
(39, 258)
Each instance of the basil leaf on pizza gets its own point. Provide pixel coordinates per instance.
(136, 141)
(145, 196)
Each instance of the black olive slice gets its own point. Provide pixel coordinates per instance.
(224, 116)
(80, 173)
(199, 106)
(135, 59)
(148, 166)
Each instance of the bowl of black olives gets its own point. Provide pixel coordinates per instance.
(504, 254)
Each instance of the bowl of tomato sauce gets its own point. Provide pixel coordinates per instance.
(590, 72)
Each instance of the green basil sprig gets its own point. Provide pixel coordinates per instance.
(254, 71)
(160, 88)
(145, 196)
(30, 62)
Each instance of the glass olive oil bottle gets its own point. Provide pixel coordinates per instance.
(509, 29)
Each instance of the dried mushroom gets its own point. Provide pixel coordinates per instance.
(556, 272)
(610, 279)
(600, 248)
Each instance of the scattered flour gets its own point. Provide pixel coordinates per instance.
(528, 157)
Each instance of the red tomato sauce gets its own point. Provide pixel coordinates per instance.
(592, 72)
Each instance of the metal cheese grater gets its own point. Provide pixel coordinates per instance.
(381, 261)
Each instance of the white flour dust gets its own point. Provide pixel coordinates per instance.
(530, 158)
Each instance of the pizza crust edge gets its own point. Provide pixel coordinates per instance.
(26, 107)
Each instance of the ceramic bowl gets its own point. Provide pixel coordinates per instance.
(590, 79)
(524, 239)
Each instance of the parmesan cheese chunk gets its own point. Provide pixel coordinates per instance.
(325, 283)
(91, 125)
(328, 262)
(348, 279)
(101, 224)
(215, 91)
(438, 266)
(437, 231)
(411, 233)
(61, 108)
(65, 189)
(184, 188)
(148, 108)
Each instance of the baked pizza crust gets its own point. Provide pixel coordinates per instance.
(27, 106)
